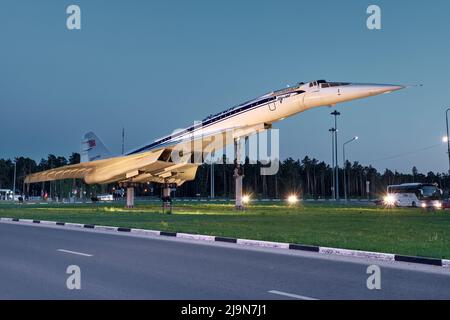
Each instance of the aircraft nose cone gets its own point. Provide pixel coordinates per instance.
(383, 88)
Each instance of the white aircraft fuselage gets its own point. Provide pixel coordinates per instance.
(272, 107)
(166, 160)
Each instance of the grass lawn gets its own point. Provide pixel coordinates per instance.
(402, 231)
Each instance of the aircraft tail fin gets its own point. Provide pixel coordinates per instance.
(92, 148)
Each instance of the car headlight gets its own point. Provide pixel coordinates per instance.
(438, 205)
(389, 200)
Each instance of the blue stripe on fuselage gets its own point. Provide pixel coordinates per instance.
(209, 122)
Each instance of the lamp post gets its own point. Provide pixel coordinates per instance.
(335, 113)
(14, 183)
(343, 163)
(333, 194)
(123, 140)
(448, 139)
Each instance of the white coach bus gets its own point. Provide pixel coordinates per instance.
(424, 195)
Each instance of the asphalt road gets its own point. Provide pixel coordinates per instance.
(34, 259)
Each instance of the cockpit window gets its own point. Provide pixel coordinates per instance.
(316, 83)
(334, 84)
(326, 84)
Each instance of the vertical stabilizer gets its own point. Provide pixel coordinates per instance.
(92, 148)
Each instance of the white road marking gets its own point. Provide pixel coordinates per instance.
(291, 295)
(74, 252)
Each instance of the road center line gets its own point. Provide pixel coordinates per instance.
(291, 295)
(74, 252)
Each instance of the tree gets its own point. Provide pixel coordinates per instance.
(414, 173)
(74, 158)
(307, 177)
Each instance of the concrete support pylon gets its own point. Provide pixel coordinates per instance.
(130, 197)
(167, 199)
(238, 176)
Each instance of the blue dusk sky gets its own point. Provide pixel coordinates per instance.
(154, 66)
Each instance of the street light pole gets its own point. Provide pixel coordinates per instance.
(333, 190)
(343, 163)
(14, 183)
(123, 140)
(448, 139)
(335, 113)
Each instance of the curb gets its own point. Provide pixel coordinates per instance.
(247, 242)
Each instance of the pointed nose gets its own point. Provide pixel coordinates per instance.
(344, 92)
(375, 89)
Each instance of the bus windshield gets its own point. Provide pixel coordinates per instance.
(430, 192)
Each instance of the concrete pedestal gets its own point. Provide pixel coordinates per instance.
(238, 175)
(238, 181)
(130, 197)
(167, 200)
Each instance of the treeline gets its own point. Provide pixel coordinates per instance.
(309, 178)
(25, 166)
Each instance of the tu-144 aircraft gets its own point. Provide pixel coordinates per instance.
(154, 162)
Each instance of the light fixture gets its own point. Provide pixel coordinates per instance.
(292, 199)
(389, 200)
